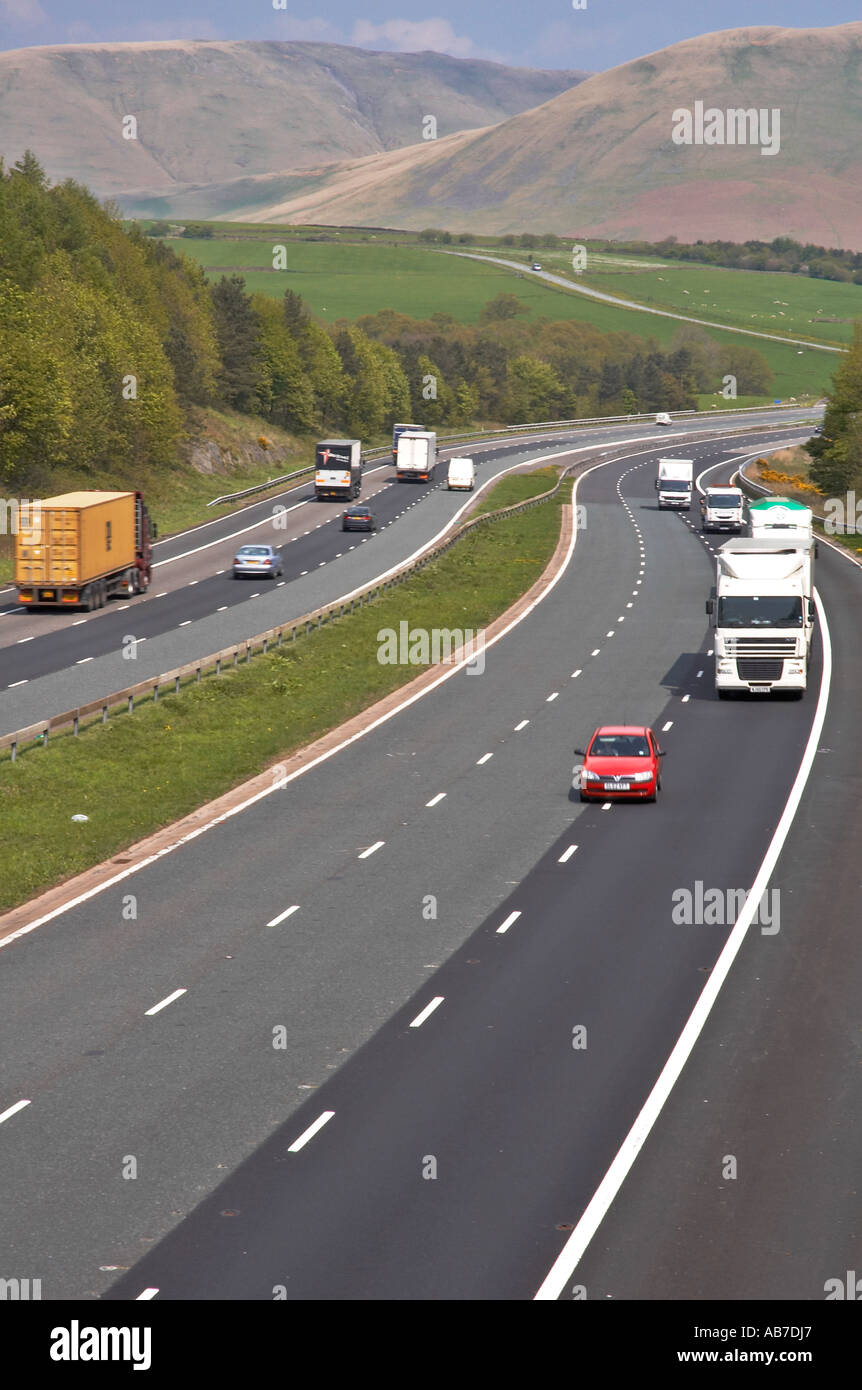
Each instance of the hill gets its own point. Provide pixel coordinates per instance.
(211, 111)
(599, 159)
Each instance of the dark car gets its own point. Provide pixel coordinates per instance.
(258, 559)
(623, 761)
(360, 518)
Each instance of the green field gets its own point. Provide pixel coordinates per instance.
(352, 278)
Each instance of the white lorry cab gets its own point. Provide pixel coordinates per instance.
(674, 482)
(763, 613)
(722, 509)
(461, 475)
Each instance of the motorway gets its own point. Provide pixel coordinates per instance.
(52, 661)
(367, 1087)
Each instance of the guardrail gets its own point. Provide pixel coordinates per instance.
(507, 431)
(40, 733)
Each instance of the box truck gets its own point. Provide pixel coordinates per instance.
(674, 482)
(781, 518)
(416, 456)
(763, 614)
(81, 547)
(461, 475)
(397, 431)
(338, 465)
(722, 509)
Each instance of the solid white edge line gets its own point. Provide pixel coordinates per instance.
(13, 1109)
(570, 1255)
(157, 1008)
(361, 733)
(427, 1011)
(288, 912)
(310, 1132)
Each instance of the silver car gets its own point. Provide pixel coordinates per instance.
(258, 560)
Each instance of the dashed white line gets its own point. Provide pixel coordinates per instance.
(84, 660)
(427, 1011)
(372, 849)
(223, 608)
(668, 725)
(13, 1109)
(595, 652)
(567, 854)
(310, 1132)
(575, 673)
(146, 1295)
(435, 799)
(685, 699)
(165, 1002)
(193, 582)
(606, 806)
(484, 758)
(288, 912)
(552, 697)
(699, 674)
(504, 926)
(163, 594)
(523, 724)
(78, 622)
(14, 683)
(25, 639)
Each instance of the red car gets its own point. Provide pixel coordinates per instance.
(621, 761)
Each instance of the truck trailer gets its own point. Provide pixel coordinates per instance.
(763, 613)
(80, 548)
(397, 431)
(416, 458)
(338, 465)
(782, 519)
(674, 482)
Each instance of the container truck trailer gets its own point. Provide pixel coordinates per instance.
(80, 548)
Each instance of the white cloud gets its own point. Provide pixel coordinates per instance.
(415, 36)
(23, 12)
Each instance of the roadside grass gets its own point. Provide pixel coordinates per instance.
(140, 772)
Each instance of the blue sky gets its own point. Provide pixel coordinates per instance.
(548, 34)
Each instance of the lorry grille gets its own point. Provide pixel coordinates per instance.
(758, 669)
(760, 646)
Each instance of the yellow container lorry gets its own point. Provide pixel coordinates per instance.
(78, 549)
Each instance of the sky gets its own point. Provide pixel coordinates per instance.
(549, 34)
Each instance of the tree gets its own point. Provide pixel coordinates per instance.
(503, 306)
(837, 452)
(237, 327)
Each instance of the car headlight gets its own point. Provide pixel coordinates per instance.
(590, 776)
(641, 777)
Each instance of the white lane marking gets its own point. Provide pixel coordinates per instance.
(302, 572)
(165, 1002)
(699, 674)
(310, 1132)
(427, 1011)
(222, 540)
(710, 652)
(163, 594)
(84, 660)
(221, 571)
(596, 652)
(504, 926)
(518, 727)
(628, 605)
(26, 639)
(484, 758)
(185, 623)
(14, 683)
(13, 1109)
(288, 912)
(146, 1295)
(256, 594)
(600, 1202)
(668, 725)
(223, 608)
(435, 799)
(252, 800)
(567, 854)
(192, 583)
(372, 849)
(13, 610)
(575, 673)
(610, 634)
(78, 622)
(606, 806)
(552, 697)
(685, 699)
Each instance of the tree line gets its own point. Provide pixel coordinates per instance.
(109, 339)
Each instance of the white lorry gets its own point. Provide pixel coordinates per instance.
(782, 518)
(763, 614)
(722, 509)
(674, 482)
(416, 456)
(338, 465)
(461, 475)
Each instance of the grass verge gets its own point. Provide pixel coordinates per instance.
(142, 771)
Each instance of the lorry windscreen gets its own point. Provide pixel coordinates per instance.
(674, 485)
(724, 499)
(751, 610)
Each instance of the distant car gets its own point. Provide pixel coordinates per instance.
(818, 429)
(535, 266)
(663, 418)
(258, 559)
(620, 761)
(359, 518)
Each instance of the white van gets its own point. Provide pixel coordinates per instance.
(461, 474)
(663, 418)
